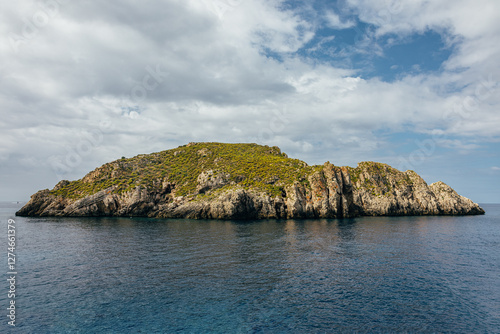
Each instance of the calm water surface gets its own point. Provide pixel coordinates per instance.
(411, 274)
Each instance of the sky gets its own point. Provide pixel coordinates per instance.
(410, 83)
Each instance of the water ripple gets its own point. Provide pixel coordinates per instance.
(367, 275)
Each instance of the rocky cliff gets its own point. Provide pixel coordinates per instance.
(244, 181)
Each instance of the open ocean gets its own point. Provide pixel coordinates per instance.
(363, 275)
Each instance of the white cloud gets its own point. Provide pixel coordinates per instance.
(166, 73)
(475, 22)
(334, 21)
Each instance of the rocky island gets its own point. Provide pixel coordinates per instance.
(244, 181)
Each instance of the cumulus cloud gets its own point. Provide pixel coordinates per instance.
(95, 81)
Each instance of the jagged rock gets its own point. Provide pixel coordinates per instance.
(327, 191)
(209, 180)
(61, 184)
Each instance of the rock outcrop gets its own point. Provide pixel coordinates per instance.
(327, 191)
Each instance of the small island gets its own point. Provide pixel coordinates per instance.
(244, 181)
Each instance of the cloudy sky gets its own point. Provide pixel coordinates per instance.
(412, 83)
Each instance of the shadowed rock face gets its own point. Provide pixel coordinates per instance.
(327, 191)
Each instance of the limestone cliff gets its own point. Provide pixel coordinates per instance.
(244, 181)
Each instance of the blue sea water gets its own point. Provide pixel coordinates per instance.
(363, 275)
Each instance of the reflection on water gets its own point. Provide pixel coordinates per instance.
(384, 274)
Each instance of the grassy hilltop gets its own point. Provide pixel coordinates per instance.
(248, 165)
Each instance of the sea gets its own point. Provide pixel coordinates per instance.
(361, 275)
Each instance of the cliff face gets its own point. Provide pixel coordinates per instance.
(383, 190)
(236, 192)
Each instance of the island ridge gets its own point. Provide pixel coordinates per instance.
(244, 181)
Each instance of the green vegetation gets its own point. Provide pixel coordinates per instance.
(248, 166)
(378, 178)
(354, 174)
(263, 168)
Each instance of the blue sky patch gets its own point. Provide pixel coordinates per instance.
(419, 53)
(352, 44)
(389, 58)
